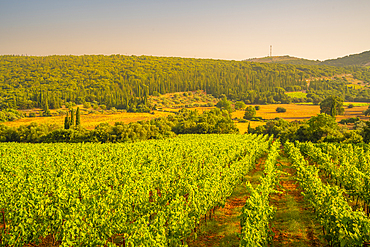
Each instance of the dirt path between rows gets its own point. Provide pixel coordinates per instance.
(294, 223)
(224, 228)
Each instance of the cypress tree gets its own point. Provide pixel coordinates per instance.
(15, 102)
(66, 122)
(72, 120)
(333, 110)
(78, 117)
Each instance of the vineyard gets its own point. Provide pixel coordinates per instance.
(161, 192)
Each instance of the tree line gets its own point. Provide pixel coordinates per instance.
(125, 82)
(215, 121)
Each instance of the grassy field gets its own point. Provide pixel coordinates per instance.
(355, 104)
(297, 112)
(91, 120)
(294, 112)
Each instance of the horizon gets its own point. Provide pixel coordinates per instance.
(226, 30)
(251, 58)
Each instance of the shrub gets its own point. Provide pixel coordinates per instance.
(280, 109)
(250, 112)
(257, 107)
(155, 93)
(239, 105)
(86, 105)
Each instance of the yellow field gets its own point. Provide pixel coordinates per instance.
(91, 120)
(294, 112)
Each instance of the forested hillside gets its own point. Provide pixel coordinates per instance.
(125, 82)
(361, 59)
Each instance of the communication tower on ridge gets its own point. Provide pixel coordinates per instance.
(270, 50)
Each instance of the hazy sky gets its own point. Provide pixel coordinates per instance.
(225, 29)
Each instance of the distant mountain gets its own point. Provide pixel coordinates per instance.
(361, 59)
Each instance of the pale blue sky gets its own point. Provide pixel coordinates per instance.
(224, 29)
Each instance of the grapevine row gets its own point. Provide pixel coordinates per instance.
(341, 225)
(257, 213)
(150, 193)
(341, 167)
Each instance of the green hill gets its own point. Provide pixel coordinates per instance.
(125, 82)
(284, 60)
(361, 59)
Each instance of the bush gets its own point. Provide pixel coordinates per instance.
(86, 105)
(280, 109)
(250, 113)
(256, 119)
(349, 120)
(257, 107)
(350, 106)
(224, 104)
(239, 105)
(155, 93)
(10, 115)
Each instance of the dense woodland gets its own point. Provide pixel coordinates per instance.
(125, 82)
(361, 59)
(320, 89)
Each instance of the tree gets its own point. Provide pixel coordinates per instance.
(323, 126)
(366, 132)
(87, 105)
(280, 109)
(78, 117)
(239, 105)
(224, 104)
(67, 122)
(72, 119)
(332, 106)
(249, 113)
(367, 111)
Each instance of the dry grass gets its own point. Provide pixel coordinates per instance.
(294, 112)
(301, 112)
(91, 120)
